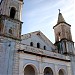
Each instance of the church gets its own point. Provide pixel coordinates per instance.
(33, 53)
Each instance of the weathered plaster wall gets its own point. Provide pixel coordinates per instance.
(40, 63)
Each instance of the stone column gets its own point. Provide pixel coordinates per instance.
(40, 66)
(56, 70)
(69, 70)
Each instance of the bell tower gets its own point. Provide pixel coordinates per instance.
(10, 18)
(63, 38)
(10, 35)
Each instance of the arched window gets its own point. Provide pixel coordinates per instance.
(12, 12)
(59, 34)
(44, 47)
(31, 43)
(10, 31)
(38, 45)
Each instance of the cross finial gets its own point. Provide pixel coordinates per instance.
(59, 10)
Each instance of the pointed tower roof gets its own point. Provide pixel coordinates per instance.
(60, 18)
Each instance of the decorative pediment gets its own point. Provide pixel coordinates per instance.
(38, 37)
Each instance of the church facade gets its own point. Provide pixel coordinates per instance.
(33, 53)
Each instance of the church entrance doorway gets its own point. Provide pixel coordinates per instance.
(61, 72)
(29, 70)
(48, 71)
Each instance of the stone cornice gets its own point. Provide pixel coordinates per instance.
(40, 52)
(10, 37)
(11, 19)
(64, 39)
(60, 23)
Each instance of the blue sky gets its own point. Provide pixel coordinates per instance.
(42, 15)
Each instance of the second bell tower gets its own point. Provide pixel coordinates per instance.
(63, 38)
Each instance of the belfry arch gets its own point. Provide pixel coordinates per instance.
(30, 70)
(12, 12)
(48, 71)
